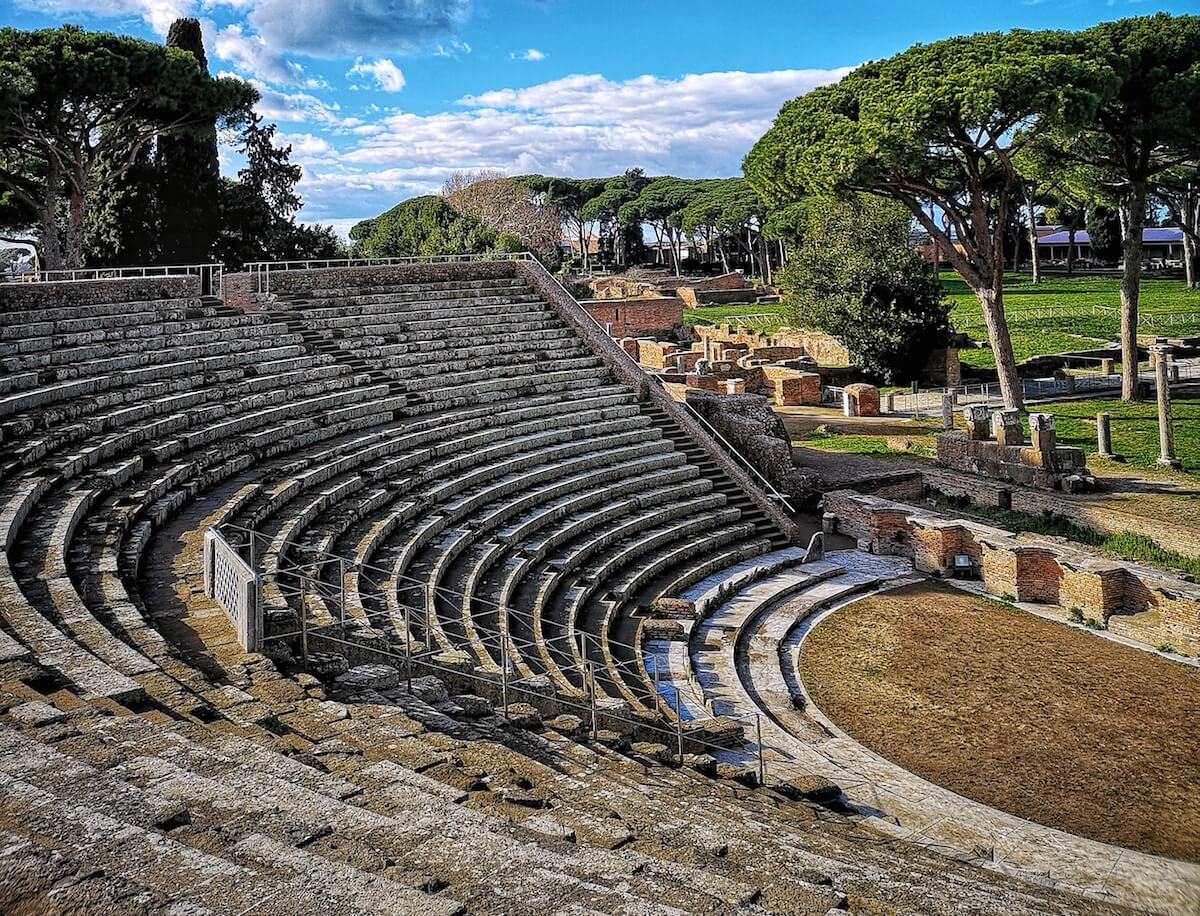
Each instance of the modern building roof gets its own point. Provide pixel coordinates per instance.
(1164, 236)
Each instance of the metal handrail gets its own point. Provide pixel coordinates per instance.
(214, 271)
(261, 270)
(770, 488)
(772, 491)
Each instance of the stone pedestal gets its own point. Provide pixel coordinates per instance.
(1104, 435)
(1041, 432)
(1160, 356)
(978, 418)
(1006, 427)
(1107, 367)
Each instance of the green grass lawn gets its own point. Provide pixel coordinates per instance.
(1134, 432)
(717, 314)
(1081, 322)
(1134, 428)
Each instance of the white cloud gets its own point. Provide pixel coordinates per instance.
(532, 54)
(158, 13)
(294, 107)
(251, 54)
(307, 147)
(386, 74)
(697, 125)
(344, 28)
(452, 49)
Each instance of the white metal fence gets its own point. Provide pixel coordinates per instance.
(231, 583)
(212, 276)
(1082, 384)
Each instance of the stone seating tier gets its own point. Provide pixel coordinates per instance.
(147, 764)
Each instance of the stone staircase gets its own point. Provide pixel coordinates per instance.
(453, 436)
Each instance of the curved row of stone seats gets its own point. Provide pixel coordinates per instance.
(41, 601)
(189, 443)
(206, 799)
(198, 817)
(327, 500)
(395, 322)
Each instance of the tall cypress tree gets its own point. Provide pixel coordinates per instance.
(188, 173)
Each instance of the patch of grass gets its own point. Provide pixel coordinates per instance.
(1075, 615)
(1126, 545)
(1085, 312)
(921, 446)
(718, 314)
(1146, 550)
(1134, 428)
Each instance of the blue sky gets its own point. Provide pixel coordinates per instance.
(383, 99)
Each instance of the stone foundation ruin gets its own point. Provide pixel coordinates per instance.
(994, 445)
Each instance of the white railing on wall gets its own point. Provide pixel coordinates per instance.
(260, 271)
(212, 276)
(231, 583)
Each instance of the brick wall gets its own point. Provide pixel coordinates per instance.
(1147, 605)
(637, 317)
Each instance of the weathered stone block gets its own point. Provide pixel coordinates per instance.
(861, 400)
(802, 389)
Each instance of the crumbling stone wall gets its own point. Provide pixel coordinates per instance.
(1147, 605)
(22, 297)
(753, 428)
(1042, 463)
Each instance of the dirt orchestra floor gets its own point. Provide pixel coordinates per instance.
(1031, 716)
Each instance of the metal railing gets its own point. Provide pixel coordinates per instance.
(771, 490)
(212, 276)
(743, 461)
(588, 677)
(1079, 384)
(260, 271)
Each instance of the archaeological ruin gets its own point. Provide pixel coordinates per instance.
(370, 587)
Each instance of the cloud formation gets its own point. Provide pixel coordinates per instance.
(697, 125)
(158, 13)
(346, 28)
(386, 75)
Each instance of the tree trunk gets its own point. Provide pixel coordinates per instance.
(1035, 256)
(991, 300)
(724, 256)
(1189, 262)
(1071, 251)
(47, 222)
(74, 240)
(1133, 206)
(583, 248)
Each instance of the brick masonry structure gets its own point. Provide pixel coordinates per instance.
(637, 317)
(861, 400)
(1143, 604)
